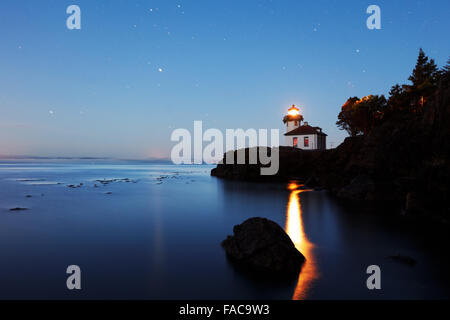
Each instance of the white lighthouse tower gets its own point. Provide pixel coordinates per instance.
(293, 119)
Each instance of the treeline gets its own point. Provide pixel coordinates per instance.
(360, 116)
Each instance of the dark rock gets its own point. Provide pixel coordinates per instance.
(358, 188)
(404, 259)
(293, 162)
(263, 245)
(18, 209)
(413, 203)
(108, 181)
(313, 182)
(73, 186)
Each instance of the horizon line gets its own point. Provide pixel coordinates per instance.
(32, 157)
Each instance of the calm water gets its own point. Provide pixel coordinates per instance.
(158, 236)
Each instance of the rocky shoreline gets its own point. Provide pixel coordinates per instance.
(403, 164)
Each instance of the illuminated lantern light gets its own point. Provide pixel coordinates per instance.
(294, 111)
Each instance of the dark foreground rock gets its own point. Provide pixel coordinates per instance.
(404, 259)
(262, 245)
(18, 209)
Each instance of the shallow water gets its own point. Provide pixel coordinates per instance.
(157, 235)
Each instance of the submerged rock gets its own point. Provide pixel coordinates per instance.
(263, 245)
(18, 209)
(108, 181)
(73, 186)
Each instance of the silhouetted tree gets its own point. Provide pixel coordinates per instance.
(446, 68)
(444, 74)
(425, 71)
(399, 99)
(345, 118)
(360, 116)
(424, 80)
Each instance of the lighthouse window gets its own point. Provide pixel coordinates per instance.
(295, 142)
(306, 141)
(296, 123)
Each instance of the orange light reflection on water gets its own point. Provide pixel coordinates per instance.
(294, 228)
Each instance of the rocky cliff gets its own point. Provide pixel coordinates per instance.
(404, 162)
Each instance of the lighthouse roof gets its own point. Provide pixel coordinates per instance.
(294, 108)
(305, 129)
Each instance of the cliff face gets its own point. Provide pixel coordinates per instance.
(294, 163)
(403, 162)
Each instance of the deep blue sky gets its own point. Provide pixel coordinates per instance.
(233, 64)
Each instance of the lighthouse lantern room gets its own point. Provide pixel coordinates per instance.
(293, 119)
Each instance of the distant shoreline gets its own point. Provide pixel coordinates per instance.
(105, 159)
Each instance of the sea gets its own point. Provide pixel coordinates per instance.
(153, 231)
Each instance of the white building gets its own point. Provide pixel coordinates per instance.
(303, 136)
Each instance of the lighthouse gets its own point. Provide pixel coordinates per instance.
(302, 136)
(293, 119)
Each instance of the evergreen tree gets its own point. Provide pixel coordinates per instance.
(425, 71)
(446, 69)
(424, 80)
(445, 74)
(361, 116)
(399, 99)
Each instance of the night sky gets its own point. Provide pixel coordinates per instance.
(137, 70)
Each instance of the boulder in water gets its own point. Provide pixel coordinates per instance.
(263, 245)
